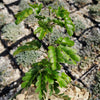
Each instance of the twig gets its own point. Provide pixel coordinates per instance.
(47, 94)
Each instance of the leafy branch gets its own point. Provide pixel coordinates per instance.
(45, 74)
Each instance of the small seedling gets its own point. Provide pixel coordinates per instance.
(45, 75)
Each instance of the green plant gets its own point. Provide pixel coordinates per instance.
(45, 75)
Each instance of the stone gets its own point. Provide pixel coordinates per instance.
(7, 17)
(1, 48)
(20, 97)
(8, 74)
(9, 1)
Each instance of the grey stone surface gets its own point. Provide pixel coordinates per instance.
(7, 73)
(13, 32)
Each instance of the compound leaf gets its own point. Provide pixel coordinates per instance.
(70, 27)
(37, 30)
(52, 56)
(65, 77)
(64, 41)
(33, 45)
(70, 52)
(23, 14)
(36, 7)
(62, 82)
(24, 84)
(56, 89)
(29, 77)
(42, 34)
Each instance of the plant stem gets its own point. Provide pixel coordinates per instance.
(47, 94)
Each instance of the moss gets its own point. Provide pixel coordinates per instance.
(27, 58)
(5, 69)
(81, 2)
(94, 10)
(31, 20)
(96, 86)
(23, 5)
(90, 48)
(56, 4)
(79, 25)
(46, 1)
(12, 32)
(91, 42)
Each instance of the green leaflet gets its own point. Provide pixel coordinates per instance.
(62, 54)
(58, 22)
(66, 97)
(39, 86)
(59, 40)
(45, 23)
(62, 82)
(51, 89)
(49, 79)
(44, 28)
(71, 52)
(42, 34)
(36, 7)
(33, 45)
(66, 58)
(67, 41)
(23, 14)
(37, 30)
(52, 56)
(65, 77)
(33, 6)
(61, 12)
(70, 27)
(28, 78)
(56, 89)
(59, 55)
(24, 84)
(69, 31)
(40, 17)
(64, 41)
